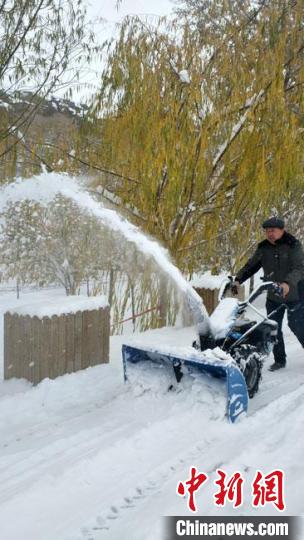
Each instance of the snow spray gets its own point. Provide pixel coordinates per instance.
(44, 188)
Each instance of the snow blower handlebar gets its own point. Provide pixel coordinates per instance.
(228, 283)
(266, 286)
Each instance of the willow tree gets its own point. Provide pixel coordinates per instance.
(204, 128)
(265, 39)
(44, 45)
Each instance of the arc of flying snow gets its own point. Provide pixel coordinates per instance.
(45, 187)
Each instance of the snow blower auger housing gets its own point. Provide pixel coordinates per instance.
(229, 347)
(200, 362)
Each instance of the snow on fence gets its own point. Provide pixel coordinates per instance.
(64, 336)
(208, 287)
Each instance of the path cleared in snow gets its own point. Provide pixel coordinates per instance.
(87, 457)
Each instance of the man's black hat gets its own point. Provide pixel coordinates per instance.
(274, 223)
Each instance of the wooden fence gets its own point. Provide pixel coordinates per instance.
(210, 297)
(36, 348)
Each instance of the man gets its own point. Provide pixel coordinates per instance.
(282, 259)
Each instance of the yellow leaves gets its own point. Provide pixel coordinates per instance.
(212, 133)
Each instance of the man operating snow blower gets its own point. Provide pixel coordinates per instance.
(282, 259)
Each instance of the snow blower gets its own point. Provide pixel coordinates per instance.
(229, 347)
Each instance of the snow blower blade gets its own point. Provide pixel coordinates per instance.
(187, 361)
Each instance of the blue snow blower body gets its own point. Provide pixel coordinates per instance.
(229, 347)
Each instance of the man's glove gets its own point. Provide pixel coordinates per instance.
(285, 289)
(235, 287)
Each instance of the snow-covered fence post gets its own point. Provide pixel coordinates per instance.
(48, 340)
(208, 287)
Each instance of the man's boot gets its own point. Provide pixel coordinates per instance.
(275, 366)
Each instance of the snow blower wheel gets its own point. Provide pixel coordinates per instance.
(250, 364)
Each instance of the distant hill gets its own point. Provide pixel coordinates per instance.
(17, 104)
(54, 122)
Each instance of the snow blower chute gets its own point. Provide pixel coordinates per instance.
(230, 347)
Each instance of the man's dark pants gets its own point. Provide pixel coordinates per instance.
(295, 317)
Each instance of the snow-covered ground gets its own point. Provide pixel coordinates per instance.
(87, 457)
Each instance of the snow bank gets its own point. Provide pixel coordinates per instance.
(59, 306)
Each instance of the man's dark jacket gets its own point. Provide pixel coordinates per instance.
(282, 261)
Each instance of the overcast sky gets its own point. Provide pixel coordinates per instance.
(105, 16)
(107, 8)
